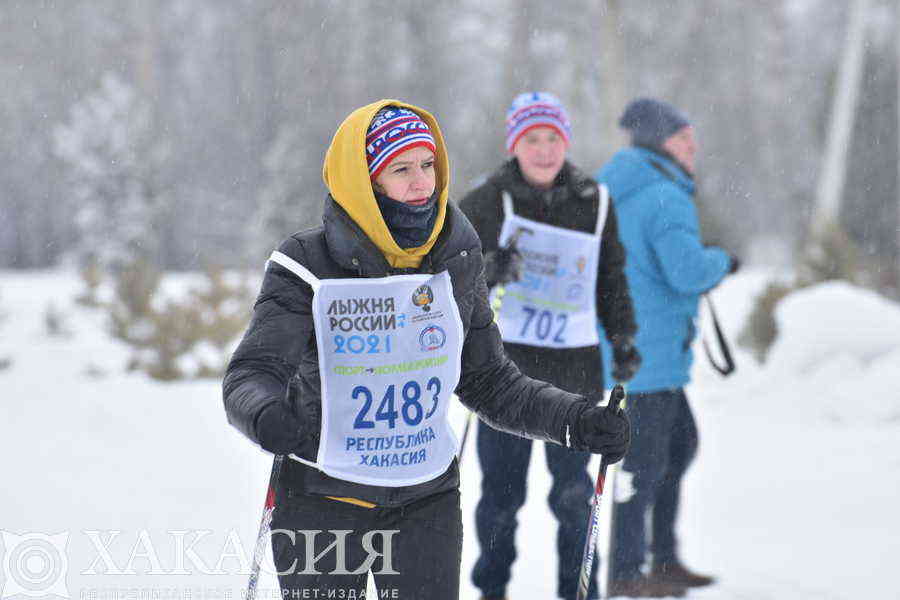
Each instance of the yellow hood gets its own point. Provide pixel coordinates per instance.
(346, 174)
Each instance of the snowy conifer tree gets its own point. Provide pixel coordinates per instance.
(284, 203)
(114, 161)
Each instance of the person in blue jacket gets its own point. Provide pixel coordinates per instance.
(668, 268)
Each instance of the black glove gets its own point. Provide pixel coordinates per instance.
(601, 431)
(278, 430)
(626, 360)
(735, 264)
(502, 266)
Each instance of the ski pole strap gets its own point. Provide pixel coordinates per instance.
(729, 366)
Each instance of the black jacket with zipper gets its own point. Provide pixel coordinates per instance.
(280, 344)
(572, 203)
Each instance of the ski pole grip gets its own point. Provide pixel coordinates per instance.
(615, 398)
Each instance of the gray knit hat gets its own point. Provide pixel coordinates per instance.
(651, 122)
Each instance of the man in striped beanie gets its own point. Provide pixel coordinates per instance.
(570, 225)
(535, 109)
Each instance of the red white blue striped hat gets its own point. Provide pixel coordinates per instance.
(535, 109)
(394, 130)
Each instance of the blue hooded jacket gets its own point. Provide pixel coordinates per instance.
(667, 266)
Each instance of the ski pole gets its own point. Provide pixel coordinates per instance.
(264, 528)
(590, 544)
(606, 567)
(465, 436)
(496, 305)
(606, 575)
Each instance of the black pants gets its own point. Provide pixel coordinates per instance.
(663, 444)
(424, 555)
(504, 465)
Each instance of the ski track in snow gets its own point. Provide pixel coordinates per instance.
(793, 494)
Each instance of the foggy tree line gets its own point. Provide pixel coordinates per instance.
(193, 131)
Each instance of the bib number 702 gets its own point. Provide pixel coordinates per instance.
(411, 410)
(542, 324)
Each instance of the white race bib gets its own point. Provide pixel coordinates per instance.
(554, 304)
(389, 360)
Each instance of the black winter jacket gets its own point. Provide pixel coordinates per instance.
(572, 203)
(280, 343)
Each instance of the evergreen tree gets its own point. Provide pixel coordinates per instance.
(283, 204)
(114, 161)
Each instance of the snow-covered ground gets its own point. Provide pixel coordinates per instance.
(794, 494)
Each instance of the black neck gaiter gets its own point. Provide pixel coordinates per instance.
(410, 225)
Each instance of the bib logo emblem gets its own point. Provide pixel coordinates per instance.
(581, 263)
(423, 297)
(432, 338)
(574, 291)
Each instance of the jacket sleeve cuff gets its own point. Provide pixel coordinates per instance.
(569, 435)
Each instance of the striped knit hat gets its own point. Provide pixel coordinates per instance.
(394, 130)
(535, 109)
